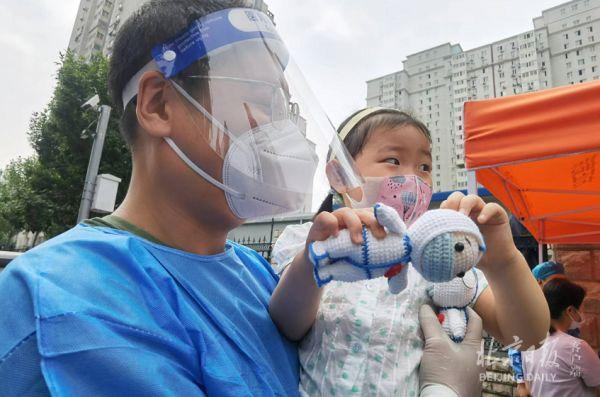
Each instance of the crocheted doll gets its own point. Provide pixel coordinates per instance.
(441, 245)
(452, 299)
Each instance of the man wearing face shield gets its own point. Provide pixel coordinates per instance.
(153, 300)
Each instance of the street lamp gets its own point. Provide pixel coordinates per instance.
(96, 155)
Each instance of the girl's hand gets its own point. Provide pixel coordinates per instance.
(328, 224)
(493, 223)
(295, 301)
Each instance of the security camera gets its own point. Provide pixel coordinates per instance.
(91, 103)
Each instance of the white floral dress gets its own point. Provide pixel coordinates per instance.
(365, 341)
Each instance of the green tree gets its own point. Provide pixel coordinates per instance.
(19, 204)
(54, 177)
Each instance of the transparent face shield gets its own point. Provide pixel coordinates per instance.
(256, 130)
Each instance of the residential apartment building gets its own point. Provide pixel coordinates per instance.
(98, 22)
(562, 48)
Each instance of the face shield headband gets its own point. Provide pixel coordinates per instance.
(206, 36)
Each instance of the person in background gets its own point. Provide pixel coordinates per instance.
(543, 273)
(564, 365)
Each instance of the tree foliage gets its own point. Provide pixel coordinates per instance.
(42, 193)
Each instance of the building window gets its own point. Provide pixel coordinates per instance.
(580, 72)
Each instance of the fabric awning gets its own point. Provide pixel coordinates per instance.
(539, 154)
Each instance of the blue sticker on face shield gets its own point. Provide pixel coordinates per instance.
(213, 32)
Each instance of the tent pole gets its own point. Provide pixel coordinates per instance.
(545, 217)
(471, 182)
(540, 252)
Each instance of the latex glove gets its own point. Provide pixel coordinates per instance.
(447, 363)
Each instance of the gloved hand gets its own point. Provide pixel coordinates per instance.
(447, 363)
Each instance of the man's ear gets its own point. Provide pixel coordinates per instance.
(153, 110)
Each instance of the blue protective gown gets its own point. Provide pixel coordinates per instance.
(103, 312)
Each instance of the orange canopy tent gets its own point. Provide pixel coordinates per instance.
(539, 154)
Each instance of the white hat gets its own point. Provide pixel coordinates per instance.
(436, 222)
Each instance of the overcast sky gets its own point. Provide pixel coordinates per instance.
(339, 44)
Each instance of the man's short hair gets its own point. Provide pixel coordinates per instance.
(561, 293)
(154, 23)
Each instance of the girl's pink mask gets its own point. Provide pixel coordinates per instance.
(407, 194)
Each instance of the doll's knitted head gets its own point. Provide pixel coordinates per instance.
(456, 293)
(445, 244)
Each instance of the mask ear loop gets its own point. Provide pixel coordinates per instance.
(186, 159)
(578, 314)
(200, 171)
(201, 109)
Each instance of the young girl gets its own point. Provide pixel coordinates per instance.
(357, 338)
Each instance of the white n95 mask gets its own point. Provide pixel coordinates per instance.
(267, 171)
